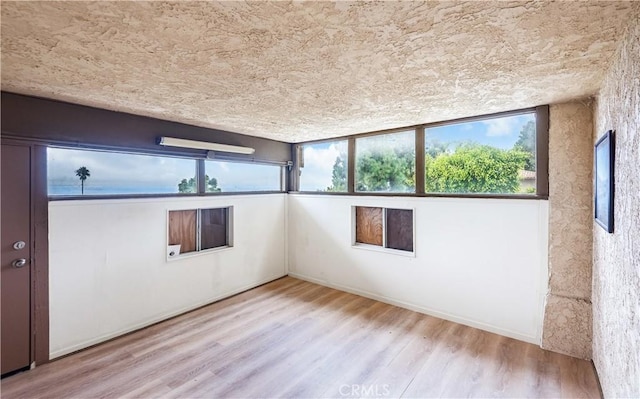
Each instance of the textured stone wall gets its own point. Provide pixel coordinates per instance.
(567, 319)
(616, 257)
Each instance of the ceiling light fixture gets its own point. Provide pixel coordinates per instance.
(204, 145)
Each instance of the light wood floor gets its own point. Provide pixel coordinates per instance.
(295, 339)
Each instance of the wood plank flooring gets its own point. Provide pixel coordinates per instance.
(294, 339)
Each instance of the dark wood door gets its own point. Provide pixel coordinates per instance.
(16, 257)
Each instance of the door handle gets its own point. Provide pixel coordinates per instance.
(18, 263)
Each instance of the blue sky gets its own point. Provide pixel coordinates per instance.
(318, 164)
(497, 132)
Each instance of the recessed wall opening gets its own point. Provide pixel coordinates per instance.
(197, 230)
(383, 228)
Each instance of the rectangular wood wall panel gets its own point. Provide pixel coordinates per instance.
(369, 225)
(182, 229)
(400, 229)
(213, 228)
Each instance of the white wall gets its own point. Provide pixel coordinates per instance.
(109, 273)
(480, 262)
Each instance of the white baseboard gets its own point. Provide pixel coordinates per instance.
(421, 309)
(157, 319)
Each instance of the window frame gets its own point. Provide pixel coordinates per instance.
(383, 248)
(119, 152)
(542, 158)
(355, 167)
(282, 175)
(199, 174)
(198, 233)
(298, 151)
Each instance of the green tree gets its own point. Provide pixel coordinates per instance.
(211, 185)
(527, 143)
(187, 186)
(475, 168)
(83, 173)
(190, 186)
(386, 169)
(339, 174)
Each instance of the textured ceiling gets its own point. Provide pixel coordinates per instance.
(308, 70)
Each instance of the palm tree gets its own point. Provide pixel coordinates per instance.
(83, 173)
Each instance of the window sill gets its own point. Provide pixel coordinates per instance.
(427, 195)
(390, 251)
(54, 198)
(193, 254)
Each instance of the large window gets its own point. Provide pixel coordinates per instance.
(504, 155)
(386, 163)
(73, 172)
(234, 177)
(323, 166)
(493, 156)
(81, 172)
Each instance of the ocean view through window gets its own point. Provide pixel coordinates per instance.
(113, 173)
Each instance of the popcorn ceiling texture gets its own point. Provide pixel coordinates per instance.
(567, 318)
(616, 269)
(295, 71)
